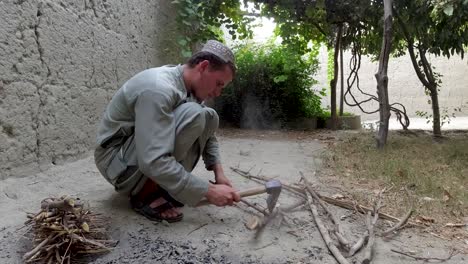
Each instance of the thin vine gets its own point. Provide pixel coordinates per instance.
(353, 80)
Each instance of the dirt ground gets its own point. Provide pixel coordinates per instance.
(209, 234)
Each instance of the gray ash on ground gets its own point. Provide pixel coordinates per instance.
(144, 249)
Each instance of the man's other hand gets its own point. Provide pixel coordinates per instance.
(222, 195)
(220, 178)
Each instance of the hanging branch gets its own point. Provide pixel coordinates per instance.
(353, 79)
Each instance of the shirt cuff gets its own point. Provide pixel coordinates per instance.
(193, 192)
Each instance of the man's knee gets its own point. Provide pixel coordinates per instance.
(188, 109)
(211, 119)
(189, 116)
(194, 115)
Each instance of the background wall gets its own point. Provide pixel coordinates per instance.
(404, 86)
(61, 62)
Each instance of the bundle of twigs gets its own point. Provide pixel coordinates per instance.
(64, 228)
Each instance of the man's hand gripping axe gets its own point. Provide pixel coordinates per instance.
(272, 187)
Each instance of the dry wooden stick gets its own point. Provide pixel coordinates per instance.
(283, 210)
(405, 218)
(289, 187)
(28, 255)
(324, 232)
(88, 241)
(452, 253)
(370, 243)
(371, 222)
(259, 209)
(65, 254)
(199, 227)
(361, 208)
(359, 243)
(340, 203)
(57, 256)
(265, 222)
(65, 204)
(336, 225)
(399, 224)
(49, 257)
(455, 225)
(293, 206)
(269, 216)
(43, 215)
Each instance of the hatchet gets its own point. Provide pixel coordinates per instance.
(272, 187)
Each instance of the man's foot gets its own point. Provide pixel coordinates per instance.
(158, 210)
(173, 212)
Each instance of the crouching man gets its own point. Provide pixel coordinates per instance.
(155, 129)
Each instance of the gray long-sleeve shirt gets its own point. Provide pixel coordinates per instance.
(145, 105)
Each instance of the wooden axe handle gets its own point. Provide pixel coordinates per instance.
(244, 193)
(252, 191)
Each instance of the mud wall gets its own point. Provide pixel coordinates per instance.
(404, 86)
(61, 61)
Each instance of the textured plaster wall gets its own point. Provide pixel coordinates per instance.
(404, 86)
(60, 63)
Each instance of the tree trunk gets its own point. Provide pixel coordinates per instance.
(382, 78)
(427, 78)
(432, 87)
(334, 118)
(341, 76)
(435, 112)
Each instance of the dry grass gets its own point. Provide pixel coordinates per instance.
(436, 175)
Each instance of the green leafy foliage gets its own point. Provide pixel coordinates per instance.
(438, 27)
(435, 27)
(445, 117)
(272, 87)
(432, 27)
(200, 20)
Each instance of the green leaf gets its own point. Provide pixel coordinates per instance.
(182, 42)
(448, 10)
(186, 53)
(189, 11)
(280, 78)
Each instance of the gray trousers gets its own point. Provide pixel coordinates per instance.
(118, 161)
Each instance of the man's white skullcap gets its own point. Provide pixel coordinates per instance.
(220, 50)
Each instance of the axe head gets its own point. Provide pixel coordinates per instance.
(273, 188)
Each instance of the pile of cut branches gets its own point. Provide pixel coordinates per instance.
(332, 234)
(63, 229)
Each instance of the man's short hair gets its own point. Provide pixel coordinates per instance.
(217, 54)
(216, 63)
